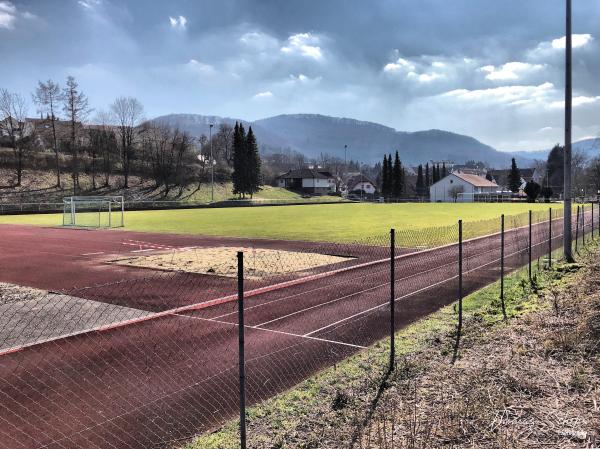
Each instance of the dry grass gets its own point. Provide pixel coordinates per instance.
(534, 383)
(221, 261)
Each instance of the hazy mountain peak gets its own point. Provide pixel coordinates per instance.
(316, 135)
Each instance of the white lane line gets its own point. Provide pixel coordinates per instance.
(324, 340)
(413, 293)
(322, 304)
(93, 254)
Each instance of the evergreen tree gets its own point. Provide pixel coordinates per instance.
(514, 177)
(443, 170)
(252, 156)
(385, 180)
(398, 181)
(239, 160)
(427, 178)
(420, 181)
(389, 177)
(435, 174)
(555, 167)
(489, 176)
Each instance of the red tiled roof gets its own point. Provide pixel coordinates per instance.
(475, 180)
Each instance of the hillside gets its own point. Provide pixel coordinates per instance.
(314, 134)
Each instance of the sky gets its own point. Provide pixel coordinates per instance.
(490, 69)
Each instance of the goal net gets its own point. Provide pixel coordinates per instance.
(94, 211)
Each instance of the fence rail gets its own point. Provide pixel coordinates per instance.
(193, 334)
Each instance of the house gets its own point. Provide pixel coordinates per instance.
(308, 180)
(500, 177)
(460, 187)
(357, 182)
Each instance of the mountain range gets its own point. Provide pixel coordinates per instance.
(313, 135)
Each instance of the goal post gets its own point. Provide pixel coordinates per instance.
(94, 211)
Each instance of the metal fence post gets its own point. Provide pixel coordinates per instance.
(460, 275)
(583, 225)
(592, 224)
(550, 238)
(242, 361)
(392, 297)
(530, 277)
(502, 266)
(577, 229)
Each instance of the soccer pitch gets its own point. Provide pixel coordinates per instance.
(326, 222)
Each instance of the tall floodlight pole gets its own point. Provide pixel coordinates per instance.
(567, 237)
(212, 166)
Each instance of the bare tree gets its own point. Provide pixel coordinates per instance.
(13, 114)
(107, 144)
(128, 112)
(76, 107)
(455, 192)
(47, 96)
(594, 173)
(578, 168)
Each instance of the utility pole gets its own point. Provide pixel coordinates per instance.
(212, 166)
(567, 237)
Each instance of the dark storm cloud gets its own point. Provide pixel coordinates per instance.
(483, 67)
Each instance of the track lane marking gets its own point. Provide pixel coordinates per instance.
(325, 340)
(417, 291)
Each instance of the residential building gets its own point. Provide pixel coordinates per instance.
(460, 187)
(308, 180)
(358, 181)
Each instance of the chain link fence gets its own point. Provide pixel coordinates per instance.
(153, 360)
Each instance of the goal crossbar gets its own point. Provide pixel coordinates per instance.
(94, 211)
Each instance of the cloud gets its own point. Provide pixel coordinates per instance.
(579, 40)
(8, 15)
(201, 68)
(89, 4)
(421, 71)
(261, 95)
(581, 100)
(401, 65)
(258, 40)
(510, 71)
(304, 44)
(504, 95)
(179, 23)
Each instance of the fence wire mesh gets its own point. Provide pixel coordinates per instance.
(151, 358)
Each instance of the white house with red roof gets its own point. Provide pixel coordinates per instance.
(460, 187)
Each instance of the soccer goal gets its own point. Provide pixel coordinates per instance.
(94, 211)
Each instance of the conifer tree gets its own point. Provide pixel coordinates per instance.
(427, 177)
(420, 182)
(384, 177)
(398, 181)
(239, 159)
(514, 177)
(443, 170)
(252, 156)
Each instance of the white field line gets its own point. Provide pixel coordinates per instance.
(272, 331)
(93, 254)
(408, 295)
(142, 250)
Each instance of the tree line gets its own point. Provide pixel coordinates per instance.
(113, 145)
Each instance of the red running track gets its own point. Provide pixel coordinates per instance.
(160, 381)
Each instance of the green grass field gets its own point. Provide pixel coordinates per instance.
(222, 192)
(332, 222)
